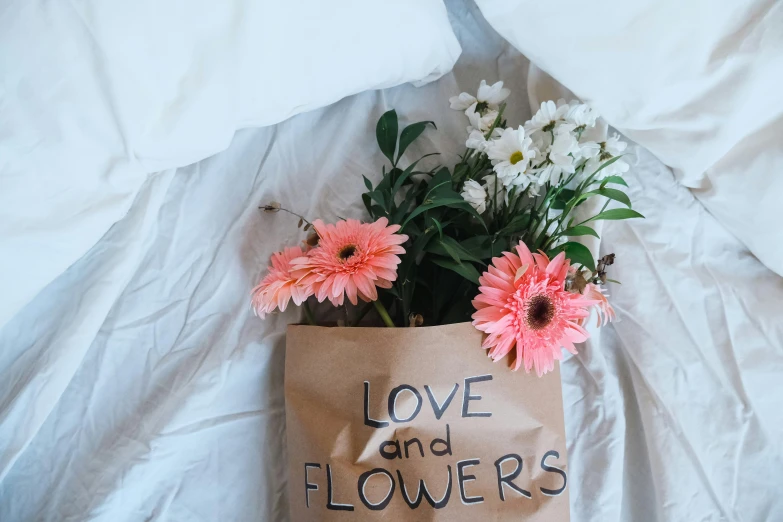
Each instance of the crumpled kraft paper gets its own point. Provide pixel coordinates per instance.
(418, 424)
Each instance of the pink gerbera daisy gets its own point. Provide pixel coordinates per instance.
(352, 258)
(279, 286)
(523, 304)
(605, 312)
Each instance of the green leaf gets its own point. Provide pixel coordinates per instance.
(378, 197)
(392, 291)
(517, 224)
(561, 198)
(464, 205)
(616, 213)
(432, 204)
(576, 253)
(404, 206)
(410, 133)
(483, 248)
(408, 172)
(580, 230)
(617, 195)
(444, 245)
(476, 245)
(440, 185)
(613, 281)
(367, 183)
(368, 205)
(565, 195)
(440, 227)
(606, 164)
(448, 246)
(466, 270)
(412, 253)
(612, 179)
(452, 202)
(386, 134)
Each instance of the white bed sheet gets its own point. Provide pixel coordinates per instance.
(139, 385)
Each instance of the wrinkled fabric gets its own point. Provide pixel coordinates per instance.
(673, 411)
(696, 83)
(139, 385)
(95, 95)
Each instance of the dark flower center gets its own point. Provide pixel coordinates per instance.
(540, 312)
(346, 252)
(481, 107)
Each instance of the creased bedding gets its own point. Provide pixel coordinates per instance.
(696, 83)
(139, 385)
(96, 95)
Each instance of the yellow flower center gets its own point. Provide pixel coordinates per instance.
(346, 252)
(516, 158)
(540, 312)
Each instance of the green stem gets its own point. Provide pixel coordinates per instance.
(362, 313)
(495, 200)
(309, 314)
(383, 313)
(497, 121)
(542, 236)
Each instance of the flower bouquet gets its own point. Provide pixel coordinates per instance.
(491, 240)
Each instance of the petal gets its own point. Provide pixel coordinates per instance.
(386, 261)
(524, 254)
(351, 290)
(556, 265)
(541, 261)
(491, 313)
(365, 286)
(383, 283)
(340, 280)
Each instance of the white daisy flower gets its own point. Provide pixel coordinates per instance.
(547, 118)
(608, 149)
(480, 122)
(587, 150)
(475, 194)
(511, 155)
(550, 172)
(581, 115)
(476, 140)
(563, 148)
(560, 158)
(615, 146)
(492, 185)
(488, 97)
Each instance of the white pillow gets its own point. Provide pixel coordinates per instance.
(698, 83)
(97, 94)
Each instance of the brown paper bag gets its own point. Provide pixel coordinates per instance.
(419, 424)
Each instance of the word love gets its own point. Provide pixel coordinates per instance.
(438, 408)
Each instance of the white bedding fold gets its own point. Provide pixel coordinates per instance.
(96, 95)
